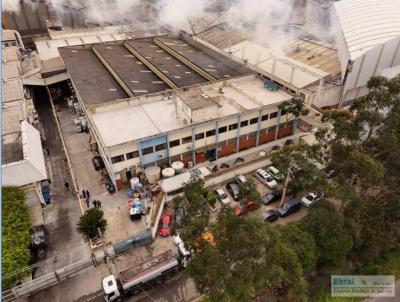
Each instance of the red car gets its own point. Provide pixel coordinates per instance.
(166, 225)
(244, 207)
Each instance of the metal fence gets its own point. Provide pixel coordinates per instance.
(57, 276)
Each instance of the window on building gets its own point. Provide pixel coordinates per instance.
(222, 129)
(263, 131)
(233, 127)
(187, 154)
(174, 143)
(252, 134)
(131, 155)
(273, 115)
(254, 121)
(232, 141)
(147, 150)
(272, 129)
(264, 117)
(243, 137)
(161, 147)
(186, 140)
(222, 144)
(244, 123)
(175, 158)
(199, 136)
(210, 133)
(117, 159)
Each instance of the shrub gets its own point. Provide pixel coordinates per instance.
(91, 221)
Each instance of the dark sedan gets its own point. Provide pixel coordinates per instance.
(270, 216)
(272, 196)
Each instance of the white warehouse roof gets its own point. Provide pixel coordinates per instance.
(289, 70)
(367, 23)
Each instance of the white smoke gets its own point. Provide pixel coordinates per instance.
(269, 22)
(11, 5)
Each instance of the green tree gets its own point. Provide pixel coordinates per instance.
(327, 226)
(91, 221)
(294, 107)
(303, 245)
(15, 237)
(304, 174)
(197, 213)
(248, 191)
(249, 259)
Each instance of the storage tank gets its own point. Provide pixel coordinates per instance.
(178, 166)
(168, 172)
(135, 183)
(152, 174)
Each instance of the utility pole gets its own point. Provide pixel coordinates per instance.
(285, 184)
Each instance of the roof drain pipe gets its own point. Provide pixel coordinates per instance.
(18, 36)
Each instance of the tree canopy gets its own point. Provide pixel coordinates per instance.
(15, 238)
(249, 259)
(90, 223)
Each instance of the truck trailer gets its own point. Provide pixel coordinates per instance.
(134, 279)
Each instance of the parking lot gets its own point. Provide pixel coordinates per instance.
(264, 190)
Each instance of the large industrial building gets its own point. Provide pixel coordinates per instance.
(157, 100)
(368, 40)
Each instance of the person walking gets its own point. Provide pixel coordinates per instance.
(87, 194)
(95, 203)
(87, 203)
(98, 204)
(66, 184)
(84, 193)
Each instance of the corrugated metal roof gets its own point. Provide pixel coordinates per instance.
(367, 23)
(284, 68)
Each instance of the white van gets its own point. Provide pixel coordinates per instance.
(266, 179)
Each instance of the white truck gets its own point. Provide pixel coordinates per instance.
(132, 280)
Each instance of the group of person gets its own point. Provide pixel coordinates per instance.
(86, 195)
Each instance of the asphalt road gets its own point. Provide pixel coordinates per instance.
(63, 214)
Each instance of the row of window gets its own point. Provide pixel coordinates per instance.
(198, 136)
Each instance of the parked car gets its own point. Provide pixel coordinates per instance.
(311, 198)
(213, 168)
(276, 147)
(272, 196)
(177, 239)
(238, 161)
(98, 163)
(275, 173)
(224, 166)
(244, 207)
(270, 216)
(289, 142)
(289, 207)
(38, 237)
(241, 179)
(329, 172)
(222, 196)
(233, 189)
(45, 186)
(179, 215)
(166, 225)
(266, 178)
